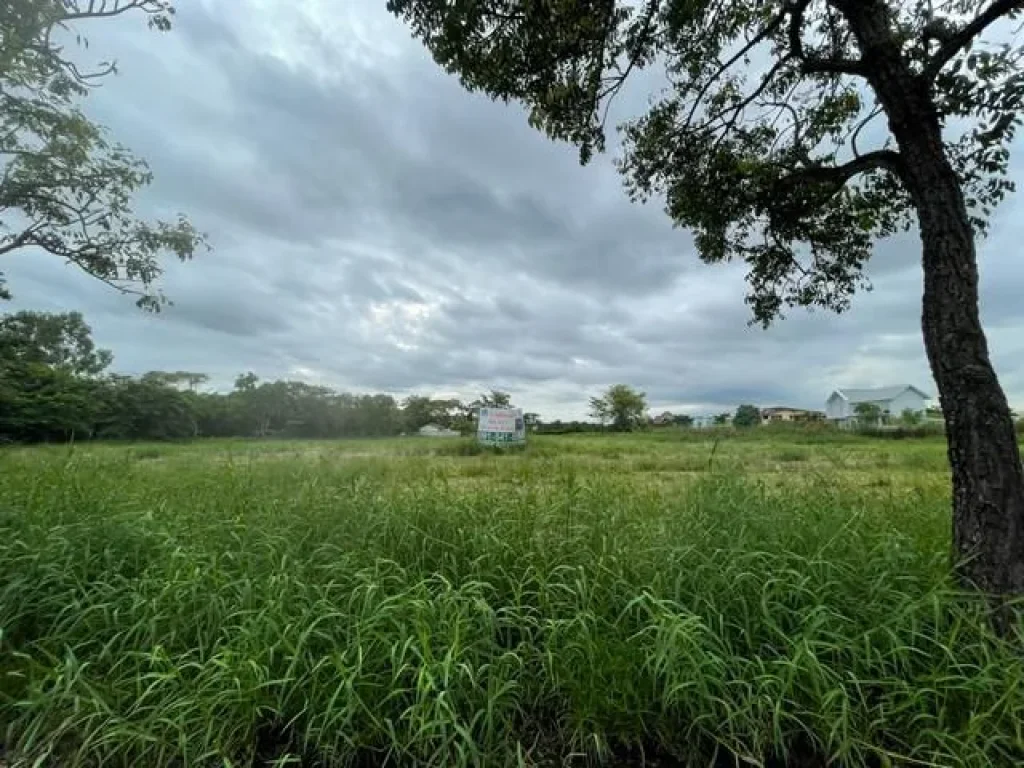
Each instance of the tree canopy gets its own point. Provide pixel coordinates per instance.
(621, 406)
(61, 341)
(493, 399)
(746, 416)
(768, 142)
(911, 418)
(54, 385)
(65, 187)
(868, 413)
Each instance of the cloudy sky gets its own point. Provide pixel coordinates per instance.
(376, 228)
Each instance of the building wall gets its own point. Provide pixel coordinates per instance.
(837, 408)
(908, 399)
(783, 415)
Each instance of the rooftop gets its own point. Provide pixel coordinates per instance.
(874, 395)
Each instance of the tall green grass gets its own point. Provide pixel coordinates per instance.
(217, 610)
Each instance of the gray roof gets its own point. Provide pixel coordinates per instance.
(876, 395)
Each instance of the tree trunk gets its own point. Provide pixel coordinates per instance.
(988, 481)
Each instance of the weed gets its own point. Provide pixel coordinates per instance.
(371, 609)
(792, 455)
(148, 452)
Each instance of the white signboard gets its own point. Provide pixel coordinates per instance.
(501, 426)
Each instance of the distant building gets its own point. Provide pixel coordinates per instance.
(780, 413)
(433, 430)
(664, 419)
(841, 406)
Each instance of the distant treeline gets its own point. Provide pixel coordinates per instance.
(568, 427)
(54, 387)
(41, 403)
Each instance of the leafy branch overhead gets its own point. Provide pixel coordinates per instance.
(65, 188)
(767, 141)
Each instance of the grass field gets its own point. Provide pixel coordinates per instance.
(781, 599)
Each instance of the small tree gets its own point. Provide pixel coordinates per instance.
(621, 406)
(722, 419)
(868, 413)
(684, 420)
(910, 417)
(746, 416)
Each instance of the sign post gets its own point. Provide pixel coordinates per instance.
(501, 427)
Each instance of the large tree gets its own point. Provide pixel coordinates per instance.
(62, 341)
(759, 145)
(621, 406)
(65, 188)
(418, 411)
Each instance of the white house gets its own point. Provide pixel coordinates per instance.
(433, 430)
(841, 405)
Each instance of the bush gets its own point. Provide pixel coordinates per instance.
(928, 429)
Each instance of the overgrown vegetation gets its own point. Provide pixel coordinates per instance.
(54, 386)
(303, 603)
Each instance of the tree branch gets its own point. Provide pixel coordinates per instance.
(814, 64)
(764, 34)
(952, 46)
(611, 91)
(888, 159)
(738, 109)
(15, 243)
(809, 188)
(74, 12)
(860, 127)
(782, 107)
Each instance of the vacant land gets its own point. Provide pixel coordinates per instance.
(777, 599)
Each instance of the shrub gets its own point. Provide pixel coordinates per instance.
(928, 429)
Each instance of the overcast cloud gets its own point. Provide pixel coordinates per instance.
(376, 228)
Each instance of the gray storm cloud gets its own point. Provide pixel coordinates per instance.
(377, 228)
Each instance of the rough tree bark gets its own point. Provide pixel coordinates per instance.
(988, 480)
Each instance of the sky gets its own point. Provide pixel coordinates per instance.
(376, 228)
